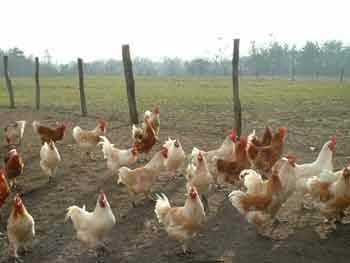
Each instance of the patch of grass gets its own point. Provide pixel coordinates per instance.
(108, 92)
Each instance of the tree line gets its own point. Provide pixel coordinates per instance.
(274, 59)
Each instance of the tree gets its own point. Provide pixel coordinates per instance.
(309, 60)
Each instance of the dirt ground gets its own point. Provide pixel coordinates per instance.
(226, 236)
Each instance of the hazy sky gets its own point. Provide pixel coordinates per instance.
(96, 29)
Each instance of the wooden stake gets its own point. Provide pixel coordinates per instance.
(8, 83)
(130, 84)
(235, 82)
(81, 87)
(37, 84)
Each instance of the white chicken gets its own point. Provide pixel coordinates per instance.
(176, 156)
(117, 157)
(49, 159)
(14, 132)
(199, 176)
(20, 227)
(324, 161)
(181, 223)
(92, 227)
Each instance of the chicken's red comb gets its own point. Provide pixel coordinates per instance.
(232, 134)
(333, 139)
(243, 140)
(200, 156)
(193, 192)
(346, 172)
(282, 130)
(292, 159)
(17, 199)
(156, 110)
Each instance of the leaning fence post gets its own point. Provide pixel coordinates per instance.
(81, 87)
(130, 84)
(37, 84)
(8, 83)
(235, 82)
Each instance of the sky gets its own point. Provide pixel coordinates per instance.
(96, 29)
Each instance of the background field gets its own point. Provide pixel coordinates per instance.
(197, 111)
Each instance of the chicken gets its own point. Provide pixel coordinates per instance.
(117, 157)
(88, 140)
(264, 157)
(14, 132)
(181, 223)
(263, 198)
(13, 166)
(324, 161)
(145, 138)
(154, 119)
(264, 141)
(92, 227)
(229, 170)
(338, 199)
(198, 176)
(49, 159)
(225, 152)
(287, 173)
(176, 156)
(4, 188)
(318, 186)
(20, 227)
(46, 133)
(330, 192)
(140, 180)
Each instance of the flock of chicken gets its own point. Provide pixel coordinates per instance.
(264, 179)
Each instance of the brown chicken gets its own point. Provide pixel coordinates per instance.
(265, 140)
(261, 201)
(89, 139)
(13, 166)
(230, 170)
(140, 181)
(4, 188)
(264, 157)
(145, 139)
(154, 118)
(331, 192)
(20, 227)
(181, 223)
(46, 133)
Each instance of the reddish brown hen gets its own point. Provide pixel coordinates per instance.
(13, 166)
(264, 157)
(265, 140)
(146, 139)
(46, 133)
(231, 169)
(4, 188)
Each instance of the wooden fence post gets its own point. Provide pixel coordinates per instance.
(8, 83)
(341, 75)
(130, 84)
(81, 87)
(235, 81)
(37, 84)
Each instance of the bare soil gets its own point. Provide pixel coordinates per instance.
(226, 237)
